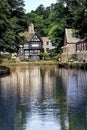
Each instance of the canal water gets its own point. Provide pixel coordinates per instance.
(43, 98)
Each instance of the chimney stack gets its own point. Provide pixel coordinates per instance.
(31, 29)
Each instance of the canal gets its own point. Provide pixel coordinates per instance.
(43, 98)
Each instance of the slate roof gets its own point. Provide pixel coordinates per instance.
(69, 33)
(28, 37)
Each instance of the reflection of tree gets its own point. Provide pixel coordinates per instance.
(78, 120)
(21, 117)
(77, 101)
(4, 71)
(57, 95)
(7, 108)
(75, 83)
(61, 104)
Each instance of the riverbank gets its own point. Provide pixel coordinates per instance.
(75, 65)
(31, 63)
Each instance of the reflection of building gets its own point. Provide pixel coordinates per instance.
(77, 91)
(73, 45)
(22, 92)
(75, 83)
(33, 80)
(37, 94)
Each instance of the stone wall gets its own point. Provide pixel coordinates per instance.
(68, 50)
(82, 56)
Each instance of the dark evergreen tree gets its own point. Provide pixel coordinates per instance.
(11, 23)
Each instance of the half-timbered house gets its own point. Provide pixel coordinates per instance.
(33, 44)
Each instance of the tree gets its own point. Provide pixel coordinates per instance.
(4, 20)
(56, 33)
(40, 10)
(11, 23)
(76, 15)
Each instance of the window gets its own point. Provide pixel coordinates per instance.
(84, 47)
(34, 52)
(26, 46)
(78, 47)
(47, 43)
(26, 52)
(35, 45)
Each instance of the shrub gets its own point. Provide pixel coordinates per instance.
(6, 56)
(45, 56)
(12, 60)
(73, 57)
(57, 57)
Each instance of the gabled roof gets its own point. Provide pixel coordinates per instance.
(31, 33)
(45, 39)
(28, 37)
(70, 38)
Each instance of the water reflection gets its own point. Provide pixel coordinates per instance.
(43, 97)
(76, 96)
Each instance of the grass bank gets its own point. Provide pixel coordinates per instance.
(30, 63)
(74, 65)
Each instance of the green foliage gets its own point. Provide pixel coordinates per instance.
(11, 13)
(6, 56)
(57, 57)
(56, 33)
(73, 57)
(12, 60)
(52, 53)
(4, 70)
(45, 56)
(76, 15)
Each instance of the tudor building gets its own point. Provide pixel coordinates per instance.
(32, 46)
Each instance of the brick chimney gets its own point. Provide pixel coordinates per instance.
(31, 29)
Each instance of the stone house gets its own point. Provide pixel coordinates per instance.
(81, 50)
(47, 44)
(73, 46)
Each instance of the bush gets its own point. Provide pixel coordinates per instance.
(57, 57)
(45, 56)
(6, 56)
(73, 57)
(12, 60)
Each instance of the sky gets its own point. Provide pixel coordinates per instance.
(33, 4)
